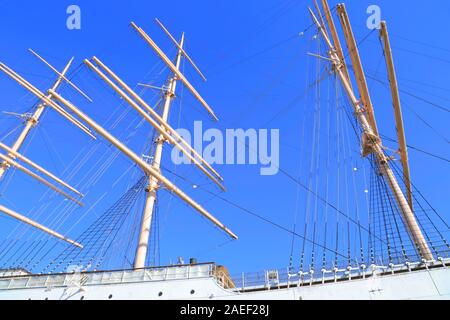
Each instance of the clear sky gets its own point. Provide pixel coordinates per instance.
(255, 61)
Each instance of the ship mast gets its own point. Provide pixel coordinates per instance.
(33, 120)
(372, 143)
(12, 158)
(403, 148)
(153, 184)
(167, 135)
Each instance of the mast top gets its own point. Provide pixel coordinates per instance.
(174, 69)
(62, 75)
(180, 48)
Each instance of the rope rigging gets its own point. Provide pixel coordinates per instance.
(383, 206)
(387, 237)
(100, 236)
(30, 254)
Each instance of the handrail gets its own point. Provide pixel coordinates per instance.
(260, 282)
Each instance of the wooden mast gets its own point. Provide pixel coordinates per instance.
(403, 149)
(36, 225)
(357, 67)
(170, 135)
(335, 37)
(153, 185)
(180, 48)
(52, 99)
(174, 69)
(377, 149)
(319, 13)
(33, 120)
(167, 134)
(38, 168)
(61, 75)
(146, 167)
(9, 160)
(48, 102)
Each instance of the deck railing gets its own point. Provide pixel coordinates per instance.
(176, 272)
(267, 280)
(285, 278)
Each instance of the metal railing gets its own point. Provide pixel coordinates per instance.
(267, 280)
(107, 277)
(285, 278)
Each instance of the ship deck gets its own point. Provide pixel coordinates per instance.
(251, 282)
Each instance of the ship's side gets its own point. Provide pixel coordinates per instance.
(202, 282)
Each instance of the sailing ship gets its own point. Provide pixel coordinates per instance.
(417, 265)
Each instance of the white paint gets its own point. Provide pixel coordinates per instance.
(194, 282)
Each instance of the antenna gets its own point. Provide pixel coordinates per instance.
(180, 48)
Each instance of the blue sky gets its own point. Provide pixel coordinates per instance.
(255, 63)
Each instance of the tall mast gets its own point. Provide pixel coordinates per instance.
(357, 66)
(335, 37)
(153, 185)
(373, 143)
(33, 120)
(13, 154)
(75, 116)
(403, 149)
(167, 134)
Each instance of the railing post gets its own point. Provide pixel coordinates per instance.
(288, 277)
(28, 281)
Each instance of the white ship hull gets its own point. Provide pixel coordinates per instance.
(199, 283)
